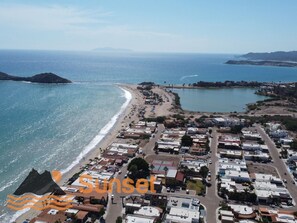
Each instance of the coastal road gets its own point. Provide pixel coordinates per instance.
(211, 200)
(278, 163)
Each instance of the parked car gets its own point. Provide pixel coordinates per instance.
(195, 202)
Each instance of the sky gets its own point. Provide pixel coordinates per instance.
(195, 26)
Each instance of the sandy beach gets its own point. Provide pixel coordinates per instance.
(128, 115)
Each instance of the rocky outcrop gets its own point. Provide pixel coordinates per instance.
(48, 78)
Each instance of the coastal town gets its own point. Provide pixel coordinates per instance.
(194, 167)
(138, 111)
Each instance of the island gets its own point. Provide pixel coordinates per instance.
(48, 78)
(279, 59)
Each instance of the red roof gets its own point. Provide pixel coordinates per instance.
(180, 176)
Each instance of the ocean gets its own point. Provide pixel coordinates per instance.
(53, 126)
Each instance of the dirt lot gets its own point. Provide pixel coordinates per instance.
(262, 168)
(169, 157)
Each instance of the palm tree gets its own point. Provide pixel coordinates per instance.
(152, 167)
(166, 170)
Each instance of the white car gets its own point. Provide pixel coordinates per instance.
(195, 202)
(210, 162)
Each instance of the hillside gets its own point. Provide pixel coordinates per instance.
(48, 78)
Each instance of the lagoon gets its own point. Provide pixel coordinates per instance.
(217, 100)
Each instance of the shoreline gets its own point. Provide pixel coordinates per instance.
(206, 88)
(108, 138)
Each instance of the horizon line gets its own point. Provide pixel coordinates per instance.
(121, 51)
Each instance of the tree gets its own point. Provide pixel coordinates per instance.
(152, 167)
(166, 170)
(204, 171)
(284, 153)
(119, 219)
(138, 168)
(187, 141)
(236, 129)
(293, 145)
(102, 212)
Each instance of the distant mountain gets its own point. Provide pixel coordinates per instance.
(112, 50)
(48, 78)
(279, 59)
(263, 63)
(275, 56)
(38, 184)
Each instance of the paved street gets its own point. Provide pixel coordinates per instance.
(115, 209)
(278, 163)
(211, 200)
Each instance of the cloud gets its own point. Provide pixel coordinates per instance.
(51, 17)
(71, 28)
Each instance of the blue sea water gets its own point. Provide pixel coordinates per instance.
(49, 126)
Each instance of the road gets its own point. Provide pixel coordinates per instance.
(211, 200)
(114, 209)
(278, 163)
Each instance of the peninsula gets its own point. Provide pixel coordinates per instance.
(48, 78)
(279, 59)
(263, 63)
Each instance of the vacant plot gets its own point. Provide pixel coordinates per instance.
(172, 158)
(196, 185)
(262, 168)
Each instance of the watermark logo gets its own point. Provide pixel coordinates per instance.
(125, 186)
(40, 192)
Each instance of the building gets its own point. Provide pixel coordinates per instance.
(139, 219)
(182, 210)
(277, 216)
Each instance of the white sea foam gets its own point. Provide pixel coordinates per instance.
(103, 132)
(188, 76)
(13, 180)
